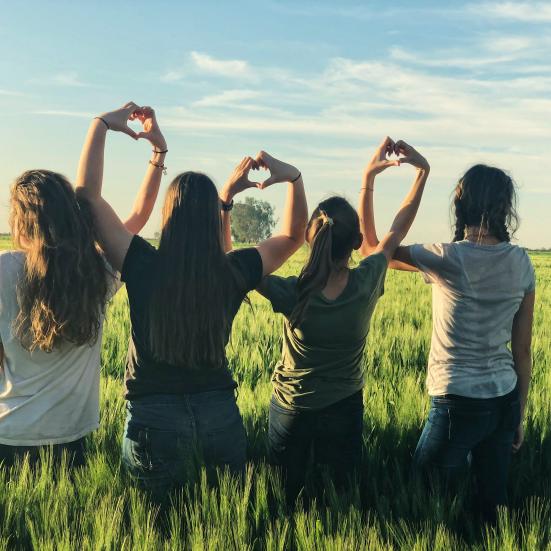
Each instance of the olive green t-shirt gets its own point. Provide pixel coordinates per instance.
(322, 358)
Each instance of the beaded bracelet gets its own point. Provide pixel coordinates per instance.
(162, 167)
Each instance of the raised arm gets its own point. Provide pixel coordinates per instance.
(408, 209)
(521, 347)
(149, 190)
(236, 183)
(114, 235)
(276, 250)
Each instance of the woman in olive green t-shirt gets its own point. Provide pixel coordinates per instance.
(317, 387)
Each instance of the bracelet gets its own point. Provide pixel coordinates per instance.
(103, 121)
(165, 151)
(226, 207)
(368, 188)
(299, 175)
(162, 167)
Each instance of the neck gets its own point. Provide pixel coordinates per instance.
(476, 234)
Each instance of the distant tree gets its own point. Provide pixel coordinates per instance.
(252, 221)
(157, 236)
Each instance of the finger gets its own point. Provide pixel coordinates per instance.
(130, 132)
(395, 162)
(263, 158)
(385, 142)
(401, 146)
(268, 182)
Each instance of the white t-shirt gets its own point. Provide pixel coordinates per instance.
(477, 290)
(45, 398)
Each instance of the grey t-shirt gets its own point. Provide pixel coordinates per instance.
(45, 397)
(477, 290)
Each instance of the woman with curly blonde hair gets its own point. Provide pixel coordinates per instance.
(54, 287)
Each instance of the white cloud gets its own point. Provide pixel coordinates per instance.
(68, 79)
(222, 67)
(227, 98)
(447, 61)
(64, 113)
(172, 76)
(4, 92)
(528, 12)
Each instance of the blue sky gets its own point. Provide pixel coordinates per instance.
(315, 83)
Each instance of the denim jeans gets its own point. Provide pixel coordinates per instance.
(333, 434)
(480, 432)
(73, 450)
(167, 438)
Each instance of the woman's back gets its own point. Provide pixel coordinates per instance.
(321, 361)
(45, 397)
(147, 374)
(477, 292)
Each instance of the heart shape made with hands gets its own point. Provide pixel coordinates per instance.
(264, 164)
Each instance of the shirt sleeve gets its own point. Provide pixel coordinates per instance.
(529, 275)
(139, 254)
(114, 282)
(249, 263)
(374, 268)
(281, 292)
(430, 260)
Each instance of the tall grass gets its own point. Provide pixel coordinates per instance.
(98, 507)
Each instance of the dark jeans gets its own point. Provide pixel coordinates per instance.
(167, 438)
(73, 450)
(333, 434)
(460, 431)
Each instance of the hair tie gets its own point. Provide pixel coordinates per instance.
(326, 219)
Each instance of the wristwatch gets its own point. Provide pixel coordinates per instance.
(226, 207)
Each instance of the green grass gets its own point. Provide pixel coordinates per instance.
(100, 508)
(5, 242)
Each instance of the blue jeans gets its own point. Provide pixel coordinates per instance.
(168, 438)
(333, 434)
(462, 431)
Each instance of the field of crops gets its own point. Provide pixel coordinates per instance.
(100, 509)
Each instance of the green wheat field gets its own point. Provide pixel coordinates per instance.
(98, 507)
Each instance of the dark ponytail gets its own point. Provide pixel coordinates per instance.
(485, 197)
(333, 232)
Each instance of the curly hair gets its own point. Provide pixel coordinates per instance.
(485, 198)
(62, 294)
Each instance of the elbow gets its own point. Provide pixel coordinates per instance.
(84, 193)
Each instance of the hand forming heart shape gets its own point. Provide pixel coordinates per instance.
(404, 152)
(279, 172)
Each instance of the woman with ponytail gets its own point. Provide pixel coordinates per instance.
(317, 402)
(53, 292)
(479, 366)
(183, 299)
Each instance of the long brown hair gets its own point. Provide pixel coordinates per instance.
(188, 322)
(62, 294)
(333, 232)
(485, 197)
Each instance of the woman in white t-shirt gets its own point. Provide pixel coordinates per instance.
(53, 290)
(480, 359)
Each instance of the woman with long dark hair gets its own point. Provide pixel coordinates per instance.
(183, 298)
(483, 301)
(317, 402)
(53, 292)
